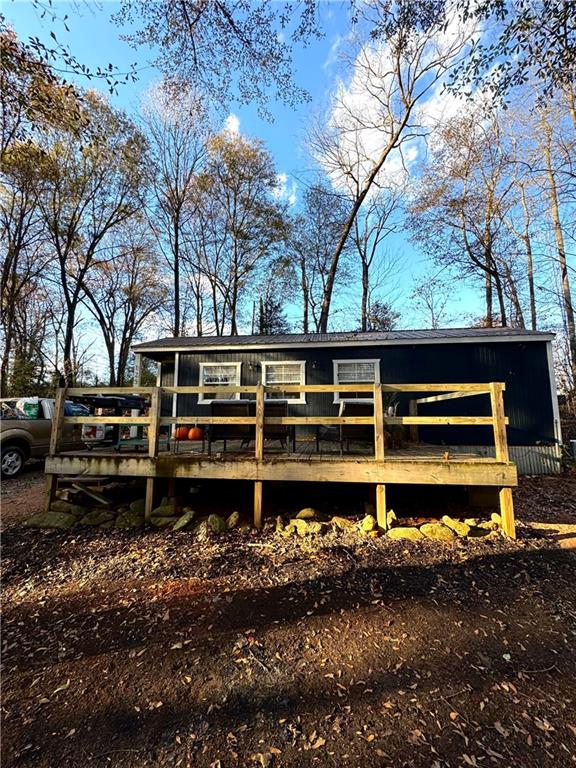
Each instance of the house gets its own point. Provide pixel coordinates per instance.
(521, 359)
(457, 407)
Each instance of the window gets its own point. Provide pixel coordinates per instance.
(276, 374)
(355, 372)
(220, 375)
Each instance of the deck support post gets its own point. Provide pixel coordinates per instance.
(149, 503)
(259, 453)
(379, 443)
(258, 504)
(507, 512)
(381, 506)
(501, 445)
(51, 487)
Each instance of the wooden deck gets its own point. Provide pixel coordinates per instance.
(267, 460)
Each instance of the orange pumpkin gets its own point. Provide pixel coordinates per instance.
(181, 433)
(195, 434)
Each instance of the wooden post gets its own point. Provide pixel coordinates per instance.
(153, 434)
(501, 444)
(507, 512)
(498, 420)
(51, 487)
(379, 443)
(149, 504)
(55, 435)
(259, 441)
(413, 411)
(57, 421)
(154, 425)
(258, 504)
(259, 454)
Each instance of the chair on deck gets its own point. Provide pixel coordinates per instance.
(357, 432)
(281, 432)
(242, 432)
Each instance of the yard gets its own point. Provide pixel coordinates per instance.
(152, 649)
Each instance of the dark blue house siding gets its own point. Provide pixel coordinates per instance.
(523, 366)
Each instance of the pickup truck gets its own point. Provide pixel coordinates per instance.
(23, 438)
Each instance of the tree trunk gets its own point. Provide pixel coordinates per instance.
(305, 297)
(377, 167)
(488, 299)
(176, 277)
(529, 261)
(561, 250)
(365, 288)
(501, 301)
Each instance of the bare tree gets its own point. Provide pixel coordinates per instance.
(314, 233)
(242, 222)
(177, 128)
(123, 292)
(411, 48)
(95, 185)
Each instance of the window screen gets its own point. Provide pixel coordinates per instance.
(355, 372)
(220, 375)
(275, 374)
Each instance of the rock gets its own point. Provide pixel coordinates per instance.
(279, 524)
(245, 528)
(343, 523)
(138, 506)
(308, 513)
(164, 522)
(129, 519)
(462, 529)
(107, 524)
(306, 527)
(68, 508)
(51, 520)
(97, 517)
(201, 530)
(437, 531)
(488, 525)
(216, 524)
(495, 518)
(163, 511)
(368, 524)
(391, 518)
(184, 520)
(471, 521)
(316, 527)
(288, 530)
(233, 520)
(405, 532)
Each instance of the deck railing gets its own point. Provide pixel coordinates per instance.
(379, 420)
(154, 420)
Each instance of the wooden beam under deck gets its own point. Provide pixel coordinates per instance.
(333, 470)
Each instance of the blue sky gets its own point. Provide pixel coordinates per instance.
(95, 41)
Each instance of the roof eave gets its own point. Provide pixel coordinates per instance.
(144, 348)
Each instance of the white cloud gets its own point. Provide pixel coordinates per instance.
(286, 189)
(232, 124)
(360, 117)
(333, 52)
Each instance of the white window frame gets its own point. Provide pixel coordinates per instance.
(202, 400)
(297, 398)
(344, 399)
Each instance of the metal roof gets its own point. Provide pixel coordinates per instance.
(360, 338)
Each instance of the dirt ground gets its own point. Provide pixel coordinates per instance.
(136, 649)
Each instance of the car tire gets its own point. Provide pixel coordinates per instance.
(12, 461)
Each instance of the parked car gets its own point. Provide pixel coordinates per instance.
(26, 435)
